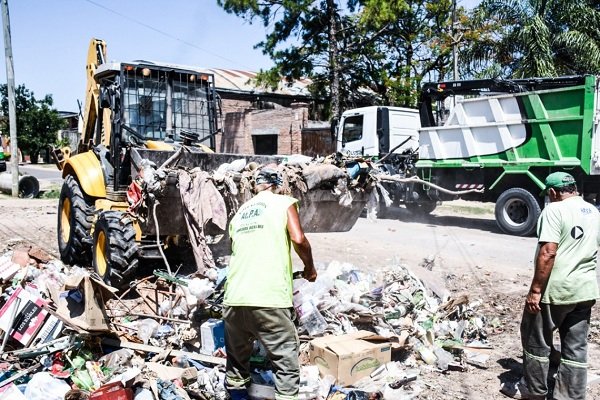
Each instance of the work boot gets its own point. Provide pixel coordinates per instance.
(519, 390)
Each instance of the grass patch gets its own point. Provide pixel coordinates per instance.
(469, 209)
(53, 193)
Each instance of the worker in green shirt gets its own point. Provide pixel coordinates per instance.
(563, 290)
(258, 291)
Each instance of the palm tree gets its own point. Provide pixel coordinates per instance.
(529, 38)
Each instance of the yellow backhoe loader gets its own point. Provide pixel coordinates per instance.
(136, 111)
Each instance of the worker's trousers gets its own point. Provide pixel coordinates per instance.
(572, 322)
(274, 328)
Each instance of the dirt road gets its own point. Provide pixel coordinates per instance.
(464, 252)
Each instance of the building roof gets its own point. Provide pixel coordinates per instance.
(234, 79)
(239, 80)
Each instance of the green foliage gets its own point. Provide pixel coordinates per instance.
(356, 52)
(529, 38)
(415, 40)
(53, 193)
(363, 52)
(37, 122)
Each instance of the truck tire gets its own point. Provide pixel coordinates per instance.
(421, 208)
(75, 215)
(517, 212)
(115, 251)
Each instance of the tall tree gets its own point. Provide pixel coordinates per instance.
(535, 38)
(37, 121)
(303, 42)
(356, 52)
(415, 42)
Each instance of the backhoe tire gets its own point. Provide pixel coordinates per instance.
(422, 207)
(75, 215)
(517, 212)
(115, 251)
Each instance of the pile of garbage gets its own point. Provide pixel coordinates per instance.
(68, 335)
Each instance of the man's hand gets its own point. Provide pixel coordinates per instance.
(310, 274)
(532, 302)
(543, 267)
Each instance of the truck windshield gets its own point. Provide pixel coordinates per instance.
(158, 103)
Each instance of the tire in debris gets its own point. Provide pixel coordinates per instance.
(517, 212)
(75, 216)
(115, 251)
(421, 207)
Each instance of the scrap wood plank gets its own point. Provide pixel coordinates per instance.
(153, 349)
(20, 374)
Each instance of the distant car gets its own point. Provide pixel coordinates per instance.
(2, 165)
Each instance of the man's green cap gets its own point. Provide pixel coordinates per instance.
(558, 180)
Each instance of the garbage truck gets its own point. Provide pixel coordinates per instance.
(492, 140)
(145, 121)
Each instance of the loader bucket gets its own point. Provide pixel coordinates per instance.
(319, 211)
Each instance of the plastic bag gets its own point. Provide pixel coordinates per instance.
(146, 329)
(44, 386)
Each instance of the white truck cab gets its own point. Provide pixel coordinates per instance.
(375, 130)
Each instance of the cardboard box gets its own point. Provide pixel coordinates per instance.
(349, 357)
(81, 302)
(212, 334)
(29, 318)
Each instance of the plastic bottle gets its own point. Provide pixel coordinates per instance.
(443, 358)
(424, 352)
(299, 286)
(312, 319)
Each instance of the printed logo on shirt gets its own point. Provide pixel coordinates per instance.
(577, 232)
(249, 218)
(254, 211)
(586, 210)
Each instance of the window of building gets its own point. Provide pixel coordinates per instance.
(265, 144)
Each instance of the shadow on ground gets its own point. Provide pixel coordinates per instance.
(435, 219)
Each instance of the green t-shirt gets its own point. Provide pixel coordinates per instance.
(574, 225)
(260, 269)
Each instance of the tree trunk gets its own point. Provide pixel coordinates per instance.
(334, 68)
(34, 156)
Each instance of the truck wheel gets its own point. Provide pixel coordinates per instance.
(115, 250)
(517, 212)
(75, 215)
(421, 208)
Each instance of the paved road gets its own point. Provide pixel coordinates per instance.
(457, 244)
(48, 175)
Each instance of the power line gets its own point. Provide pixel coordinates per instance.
(167, 34)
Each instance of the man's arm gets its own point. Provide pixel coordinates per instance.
(301, 244)
(543, 266)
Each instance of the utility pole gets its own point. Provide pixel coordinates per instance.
(454, 41)
(12, 112)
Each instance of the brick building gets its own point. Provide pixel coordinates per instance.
(261, 121)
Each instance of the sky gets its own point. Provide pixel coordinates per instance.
(50, 39)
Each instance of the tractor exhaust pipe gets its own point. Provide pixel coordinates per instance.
(29, 187)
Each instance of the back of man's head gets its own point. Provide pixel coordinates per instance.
(267, 178)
